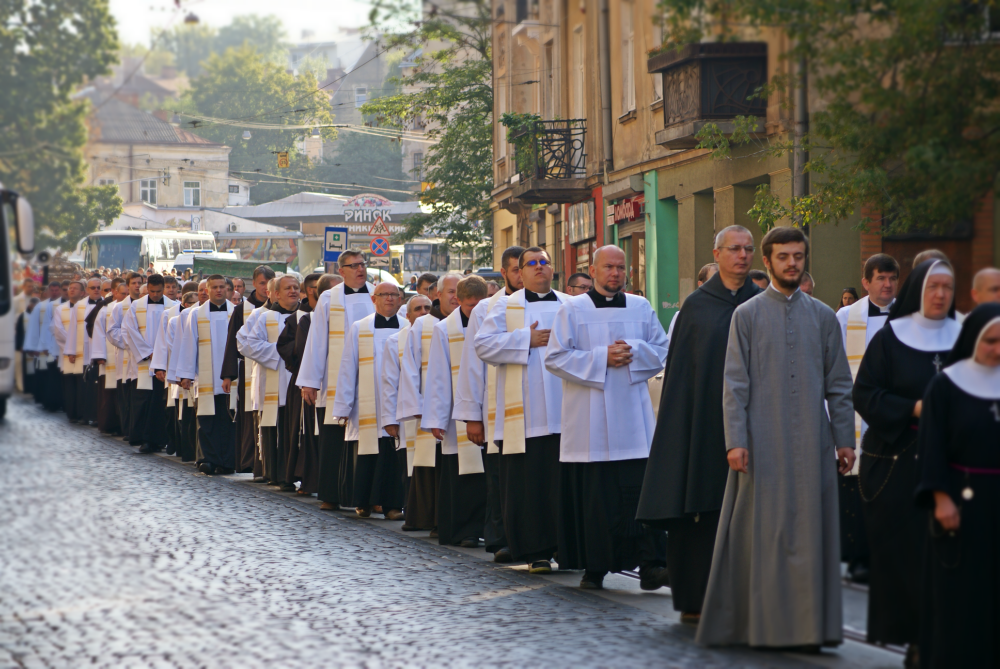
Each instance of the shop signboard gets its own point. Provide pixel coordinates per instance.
(627, 210)
(581, 222)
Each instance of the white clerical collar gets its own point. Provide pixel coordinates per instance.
(975, 379)
(885, 309)
(787, 297)
(923, 334)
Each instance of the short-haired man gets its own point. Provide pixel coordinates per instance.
(148, 428)
(785, 370)
(336, 311)
(67, 328)
(929, 254)
(186, 432)
(105, 389)
(424, 282)
(117, 337)
(578, 284)
(199, 358)
(986, 286)
(171, 288)
(309, 294)
(239, 286)
(760, 278)
(89, 390)
(709, 270)
(378, 476)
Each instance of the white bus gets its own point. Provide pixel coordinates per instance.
(135, 249)
(15, 221)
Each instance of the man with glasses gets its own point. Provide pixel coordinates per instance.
(528, 410)
(605, 345)
(336, 311)
(578, 284)
(476, 381)
(378, 480)
(686, 474)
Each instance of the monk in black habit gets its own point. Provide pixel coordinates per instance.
(959, 444)
(234, 370)
(897, 367)
(687, 470)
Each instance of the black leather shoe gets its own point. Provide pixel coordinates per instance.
(206, 468)
(470, 543)
(592, 580)
(223, 471)
(287, 487)
(148, 448)
(503, 556)
(259, 479)
(540, 567)
(653, 578)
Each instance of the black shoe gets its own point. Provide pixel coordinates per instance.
(206, 468)
(148, 448)
(224, 471)
(653, 578)
(259, 479)
(540, 567)
(503, 556)
(592, 580)
(287, 487)
(470, 543)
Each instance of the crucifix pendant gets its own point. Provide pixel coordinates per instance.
(995, 410)
(937, 362)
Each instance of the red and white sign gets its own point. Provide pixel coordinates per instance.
(629, 209)
(379, 246)
(378, 229)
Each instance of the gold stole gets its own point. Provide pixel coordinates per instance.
(513, 398)
(206, 378)
(110, 368)
(491, 390)
(470, 455)
(165, 323)
(334, 352)
(125, 358)
(269, 417)
(424, 452)
(367, 421)
(408, 428)
(247, 364)
(76, 367)
(145, 381)
(857, 334)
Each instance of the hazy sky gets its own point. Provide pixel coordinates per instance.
(136, 17)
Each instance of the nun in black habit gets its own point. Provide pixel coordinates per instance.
(959, 442)
(899, 363)
(687, 470)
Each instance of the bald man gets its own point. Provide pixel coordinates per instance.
(986, 286)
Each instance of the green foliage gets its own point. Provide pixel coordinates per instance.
(93, 205)
(909, 125)
(452, 84)
(48, 49)
(521, 132)
(191, 45)
(372, 162)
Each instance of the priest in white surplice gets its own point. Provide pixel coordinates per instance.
(161, 363)
(109, 358)
(40, 345)
(514, 337)
(199, 360)
(118, 338)
(88, 388)
(461, 493)
(858, 324)
(187, 422)
(336, 311)
(378, 477)
(476, 404)
(149, 401)
(605, 345)
(258, 342)
(69, 318)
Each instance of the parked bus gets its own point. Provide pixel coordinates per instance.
(425, 255)
(15, 215)
(135, 249)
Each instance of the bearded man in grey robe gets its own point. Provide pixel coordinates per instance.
(775, 578)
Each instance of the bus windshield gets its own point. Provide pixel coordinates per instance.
(118, 252)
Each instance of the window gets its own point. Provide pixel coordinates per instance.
(147, 190)
(628, 57)
(657, 41)
(235, 190)
(418, 166)
(195, 244)
(578, 63)
(192, 193)
(360, 95)
(105, 182)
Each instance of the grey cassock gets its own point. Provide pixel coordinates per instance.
(775, 577)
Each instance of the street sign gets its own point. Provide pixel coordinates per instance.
(381, 262)
(283, 159)
(335, 241)
(380, 246)
(378, 228)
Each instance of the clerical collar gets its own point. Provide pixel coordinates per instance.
(538, 297)
(601, 302)
(874, 311)
(91, 300)
(381, 322)
(350, 291)
(923, 334)
(212, 307)
(159, 301)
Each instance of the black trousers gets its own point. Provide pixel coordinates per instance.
(72, 396)
(217, 436)
(332, 448)
(125, 405)
(377, 480)
(690, 545)
(493, 532)
(149, 415)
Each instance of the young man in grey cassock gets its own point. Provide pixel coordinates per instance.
(775, 578)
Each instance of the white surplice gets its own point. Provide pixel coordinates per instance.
(187, 353)
(437, 391)
(470, 391)
(180, 325)
(608, 412)
(313, 368)
(542, 410)
(99, 341)
(348, 381)
(71, 332)
(141, 344)
(59, 330)
(389, 389)
(116, 336)
(410, 400)
(161, 349)
(255, 346)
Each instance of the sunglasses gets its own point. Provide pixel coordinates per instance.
(535, 263)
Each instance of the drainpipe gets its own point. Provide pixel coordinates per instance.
(605, 73)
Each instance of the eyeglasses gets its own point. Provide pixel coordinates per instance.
(535, 263)
(735, 248)
(579, 287)
(356, 265)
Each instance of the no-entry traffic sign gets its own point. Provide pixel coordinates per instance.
(380, 246)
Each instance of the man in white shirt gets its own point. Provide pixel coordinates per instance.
(605, 345)
(141, 326)
(117, 336)
(71, 354)
(89, 389)
(39, 344)
(107, 384)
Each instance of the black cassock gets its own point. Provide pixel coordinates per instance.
(234, 367)
(892, 378)
(686, 473)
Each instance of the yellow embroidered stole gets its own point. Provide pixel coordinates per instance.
(269, 417)
(334, 352)
(470, 455)
(425, 448)
(247, 368)
(857, 335)
(110, 367)
(145, 381)
(408, 429)
(367, 420)
(168, 316)
(513, 397)
(491, 391)
(125, 356)
(206, 377)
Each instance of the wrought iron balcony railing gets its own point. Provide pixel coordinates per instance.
(551, 150)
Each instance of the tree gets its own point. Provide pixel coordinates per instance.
(453, 82)
(909, 126)
(373, 163)
(48, 49)
(190, 44)
(193, 44)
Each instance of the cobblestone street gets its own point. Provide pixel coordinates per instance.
(114, 559)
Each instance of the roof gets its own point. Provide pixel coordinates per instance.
(305, 205)
(116, 122)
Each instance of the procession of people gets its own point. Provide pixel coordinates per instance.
(789, 438)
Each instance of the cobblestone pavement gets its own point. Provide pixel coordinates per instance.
(108, 558)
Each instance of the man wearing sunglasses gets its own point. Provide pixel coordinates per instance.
(476, 381)
(336, 311)
(529, 409)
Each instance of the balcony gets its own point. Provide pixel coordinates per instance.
(550, 162)
(709, 83)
